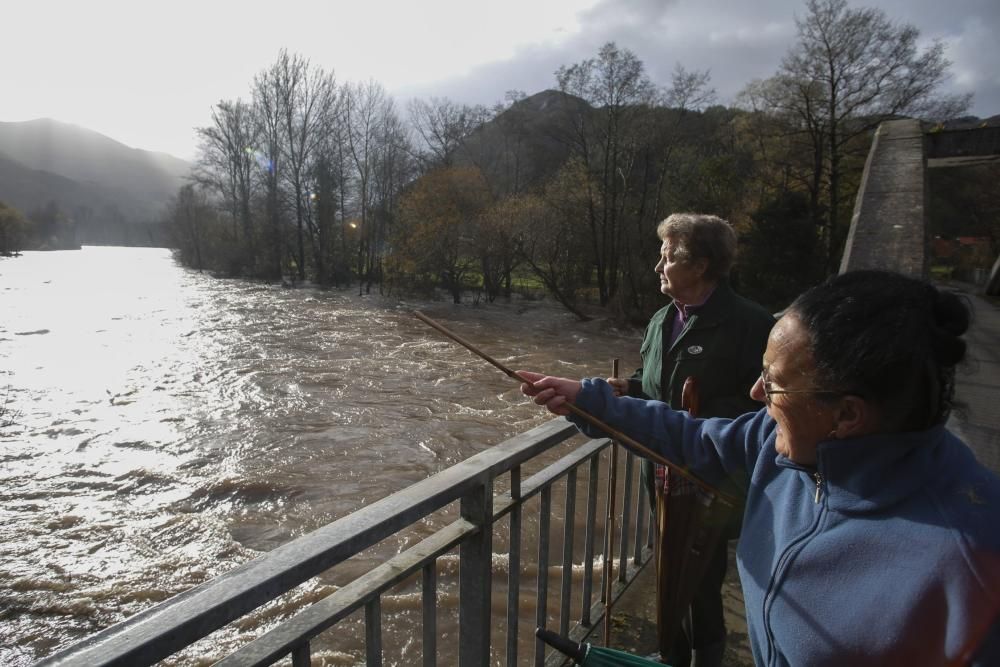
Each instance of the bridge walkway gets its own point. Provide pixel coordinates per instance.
(977, 419)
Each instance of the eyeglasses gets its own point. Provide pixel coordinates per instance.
(770, 391)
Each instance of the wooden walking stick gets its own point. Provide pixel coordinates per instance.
(609, 527)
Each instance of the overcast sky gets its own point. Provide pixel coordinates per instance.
(147, 73)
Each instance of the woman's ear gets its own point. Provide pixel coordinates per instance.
(854, 417)
(701, 267)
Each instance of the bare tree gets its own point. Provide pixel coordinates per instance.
(321, 215)
(377, 146)
(605, 142)
(443, 126)
(306, 98)
(362, 114)
(339, 156)
(850, 70)
(394, 168)
(268, 87)
(689, 91)
(191, 219)
(226, 164)
(790, 138)
(552, 242)
(497, 239)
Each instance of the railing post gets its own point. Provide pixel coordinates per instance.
(429, 594)
(641, 512)
(588, 557)
(301, 657)
(475, 578)
(514, 568)
(626, 518)
(542, 589)
(569, 522)
(373, 633)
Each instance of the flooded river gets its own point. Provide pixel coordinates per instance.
(168, 426)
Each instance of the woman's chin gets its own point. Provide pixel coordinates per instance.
(779, 442)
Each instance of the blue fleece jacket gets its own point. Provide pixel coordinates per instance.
(886, 553)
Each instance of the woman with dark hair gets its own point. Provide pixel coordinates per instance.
(871, 535)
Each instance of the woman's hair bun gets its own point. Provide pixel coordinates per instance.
(951, 318)
(890, 338)
(950, 313)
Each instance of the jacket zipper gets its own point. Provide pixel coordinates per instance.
(793, 549)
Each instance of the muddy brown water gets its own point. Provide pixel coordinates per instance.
(169, 426)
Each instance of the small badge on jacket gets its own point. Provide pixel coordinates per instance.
(696, 349)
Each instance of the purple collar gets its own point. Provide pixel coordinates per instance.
(684, 312)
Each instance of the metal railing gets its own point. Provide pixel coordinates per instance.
(177, 623)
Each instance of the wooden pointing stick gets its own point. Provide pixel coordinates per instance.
(613, 433)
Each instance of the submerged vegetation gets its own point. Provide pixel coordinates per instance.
(311, 179)
(46, 228)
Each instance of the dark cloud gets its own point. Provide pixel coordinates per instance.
(737, 42)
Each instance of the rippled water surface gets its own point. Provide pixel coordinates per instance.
(169, 426)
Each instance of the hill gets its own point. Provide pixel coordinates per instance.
(92, 179)
(525, 144)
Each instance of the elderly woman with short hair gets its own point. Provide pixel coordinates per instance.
(710, 339)
(870, 532)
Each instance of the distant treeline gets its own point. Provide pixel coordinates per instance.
(311, 179)
(50, 228)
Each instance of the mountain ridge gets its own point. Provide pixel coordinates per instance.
(103, 175)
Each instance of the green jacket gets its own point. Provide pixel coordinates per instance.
(722, 346)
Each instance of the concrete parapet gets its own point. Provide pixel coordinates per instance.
(887, 227)
(949, 148)
(993, 284)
